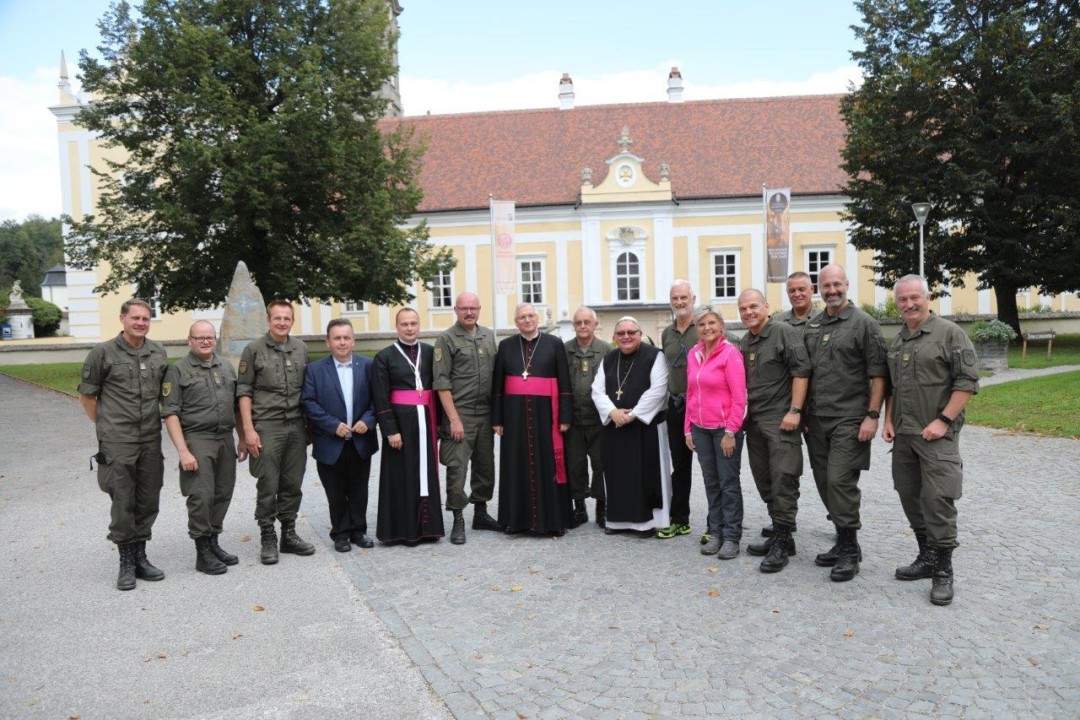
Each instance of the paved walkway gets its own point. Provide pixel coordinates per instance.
(588, 625)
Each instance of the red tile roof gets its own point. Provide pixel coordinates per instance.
(715, 149)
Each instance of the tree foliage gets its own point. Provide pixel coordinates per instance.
(974, 107)
(249, 132)
(27, 250)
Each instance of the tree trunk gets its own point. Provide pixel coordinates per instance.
(1006, 306)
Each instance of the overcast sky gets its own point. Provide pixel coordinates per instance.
(474, 55)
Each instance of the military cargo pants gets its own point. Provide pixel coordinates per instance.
(776, 462)
(478, 446)
(132, 475)
(583, 452)
(837, 458)
(279, 470)
(209, 489)
(928, 477)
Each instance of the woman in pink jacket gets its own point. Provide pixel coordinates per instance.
(715, 406)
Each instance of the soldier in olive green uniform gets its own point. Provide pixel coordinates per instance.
(585, 353)
(677, 340)
(934, 373)
(271, 376)
(800, 292)
(849, 376)
(121, 384)
(463, 367)
(777, 372)
(198, 403)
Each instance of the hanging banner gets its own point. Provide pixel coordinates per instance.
(502, 243)
(777, 233)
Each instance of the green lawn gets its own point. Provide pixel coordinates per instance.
(1045, 405)
(59, 376)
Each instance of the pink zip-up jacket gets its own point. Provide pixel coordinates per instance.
(715, 387)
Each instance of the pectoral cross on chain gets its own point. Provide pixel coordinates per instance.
(525, 375)
(618, 394)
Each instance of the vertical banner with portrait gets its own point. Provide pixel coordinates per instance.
(777, 233)
(502, 243)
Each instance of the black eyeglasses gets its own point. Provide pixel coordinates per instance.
(202, 338)
(626, 333)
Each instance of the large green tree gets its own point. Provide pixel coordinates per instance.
(27, 250)
(975, 107)
(249, 131)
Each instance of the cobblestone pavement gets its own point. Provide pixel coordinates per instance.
(600, 626)
(588, 625)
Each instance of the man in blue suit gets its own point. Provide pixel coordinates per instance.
(337, 401)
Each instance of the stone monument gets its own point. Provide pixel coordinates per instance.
(245, 315)
(20, 316)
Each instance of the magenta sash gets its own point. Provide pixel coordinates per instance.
(514, 385)
(421, 397)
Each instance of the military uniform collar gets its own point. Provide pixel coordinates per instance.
(269, 339)
(194, 360)
(765, 330)
(926, 327)
(845, 314)
(131, 349)
(460, 330)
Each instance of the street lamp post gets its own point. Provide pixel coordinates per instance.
(921, 210)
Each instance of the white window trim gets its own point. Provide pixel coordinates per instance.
(450, 298)
(521, 260)
(363, 310)
(713, 252)
(806, 250)
(640, 275)
(621, 239)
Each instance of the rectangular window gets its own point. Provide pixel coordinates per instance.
(442, 290)
(531, 274)
(815, 260)
(353, 307)
(725, 275)
(627, 277)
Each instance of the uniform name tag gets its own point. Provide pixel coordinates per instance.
(142, 366)
(753, 357)
(825, 338)
(288, 363)
(584, 366)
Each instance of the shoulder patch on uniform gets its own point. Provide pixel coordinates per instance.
(243, 366)
(438, 353)
(969, 357)
(85, 374)
(166, 388)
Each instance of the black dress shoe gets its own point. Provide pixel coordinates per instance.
(362, 540)
(342, 545)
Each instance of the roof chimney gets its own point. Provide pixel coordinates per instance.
(566, 92)
(674, 86)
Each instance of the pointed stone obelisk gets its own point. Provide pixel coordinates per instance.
(245, 315)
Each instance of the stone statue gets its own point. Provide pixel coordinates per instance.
(15, 299)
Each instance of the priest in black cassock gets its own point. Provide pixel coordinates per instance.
(531, 409)
(630, 394)
(410, 509)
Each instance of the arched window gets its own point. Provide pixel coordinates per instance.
(627, 277)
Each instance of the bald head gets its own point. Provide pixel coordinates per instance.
(467, 309)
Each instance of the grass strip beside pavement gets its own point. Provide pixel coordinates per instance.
(1044, 405)
(63, 377)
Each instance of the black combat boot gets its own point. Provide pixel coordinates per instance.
(457, 533)
(601, 513)
(227, 558)
(581, 515)
(941, 593)
(268, 554)
(143, 569)
(126, 579)
(291, 542)
(205, 559)
(761, 548)
(847, 557)
(482, 521)
(923, 566)
(781, 547)
(828, 559)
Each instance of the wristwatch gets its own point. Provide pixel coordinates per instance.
(873, 414)
(794, 409)
(944, 418)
